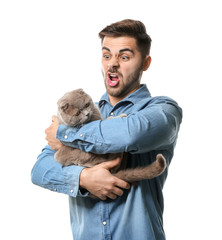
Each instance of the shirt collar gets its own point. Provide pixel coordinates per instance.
(134, 97)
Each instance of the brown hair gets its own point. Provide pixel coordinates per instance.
(131, 28)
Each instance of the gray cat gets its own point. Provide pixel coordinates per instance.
(75, 109)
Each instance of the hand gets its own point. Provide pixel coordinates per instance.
(50, 132)
(100, 182)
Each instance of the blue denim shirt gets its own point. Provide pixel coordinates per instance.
(151, 127)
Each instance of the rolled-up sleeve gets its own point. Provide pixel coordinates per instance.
(50, 174)
(153, 127)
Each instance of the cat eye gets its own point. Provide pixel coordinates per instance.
(87, 105)
(77, 113)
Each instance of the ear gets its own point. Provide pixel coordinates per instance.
(80, 90)
(64, 107)
(146, 63)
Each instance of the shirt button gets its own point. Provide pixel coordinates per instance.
(55, 189)
(111, 113)
(65, 136)
(104, 223)
(80, 135)
(71, 190)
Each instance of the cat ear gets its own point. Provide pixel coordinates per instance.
(65, 107)
(80, 90)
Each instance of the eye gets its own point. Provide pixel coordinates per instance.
(106, 56)
(77, 113)
(87, 105)
(124, 57)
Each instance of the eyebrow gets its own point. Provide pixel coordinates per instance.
(121, 50)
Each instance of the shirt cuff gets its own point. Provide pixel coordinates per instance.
(70, 186)
(50, 174)
(66, 133)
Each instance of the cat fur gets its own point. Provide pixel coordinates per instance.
(75, 109)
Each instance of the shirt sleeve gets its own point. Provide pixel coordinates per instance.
(50, 174)
(154, 127)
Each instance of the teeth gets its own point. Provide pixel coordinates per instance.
(113, 76)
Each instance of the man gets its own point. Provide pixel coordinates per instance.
(151, 127)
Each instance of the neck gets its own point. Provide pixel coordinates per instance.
(115, 100)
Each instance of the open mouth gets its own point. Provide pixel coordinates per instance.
(113, 79)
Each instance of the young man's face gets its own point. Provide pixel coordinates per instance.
(122, 66)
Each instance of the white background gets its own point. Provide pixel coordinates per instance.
(50, 47)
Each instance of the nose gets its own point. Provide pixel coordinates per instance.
(86, 113)
(113, 64)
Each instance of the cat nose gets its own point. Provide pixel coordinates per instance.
(86, 113)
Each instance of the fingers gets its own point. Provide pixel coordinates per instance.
(102, 197)
(54, 118)
(115, 188)
(116, 192)
(111, 164)
(111, 193)
(122, 184)
(50, 132)
(101, 183)
(112, 196)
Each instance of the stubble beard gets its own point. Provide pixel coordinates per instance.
(124, 88)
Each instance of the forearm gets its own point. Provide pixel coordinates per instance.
(49, 174)
(149, 129)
